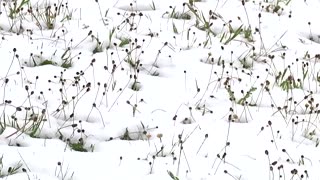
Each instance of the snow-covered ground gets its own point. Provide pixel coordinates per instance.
(159, 89)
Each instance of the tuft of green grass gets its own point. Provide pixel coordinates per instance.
(49, 18)
(37, 121)
(277, 6)
(78, 146)
(111, 35)
(47, 62)
(126, 136)
(136, 86)
(289, 82)
(172, 176)
(16, 8)
(247, 32)
(66, 59)
(246, 64)
(232, 34)
(246, 96)
(99, 46)
(178, 15)
(66, 65)
(11, 170)
(124, 42)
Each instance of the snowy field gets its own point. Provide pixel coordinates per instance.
(159, 89)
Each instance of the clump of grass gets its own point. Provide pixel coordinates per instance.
(276, 6)
(78, 146)
(67, 59)
(47, 62)
(99, 46)
(246, 62)
(177, 15)
(11, 170)
(247, 32)
(227, 37)
(15, 8)
(289, 82)
(246, 96)
(37, 122)
(136, 86)
(124, 41)
(126, 135)
(39, 60)
(49, 17)
(312, 136)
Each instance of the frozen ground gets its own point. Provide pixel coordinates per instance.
(159, 89)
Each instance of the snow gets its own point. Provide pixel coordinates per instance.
(132, 89)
